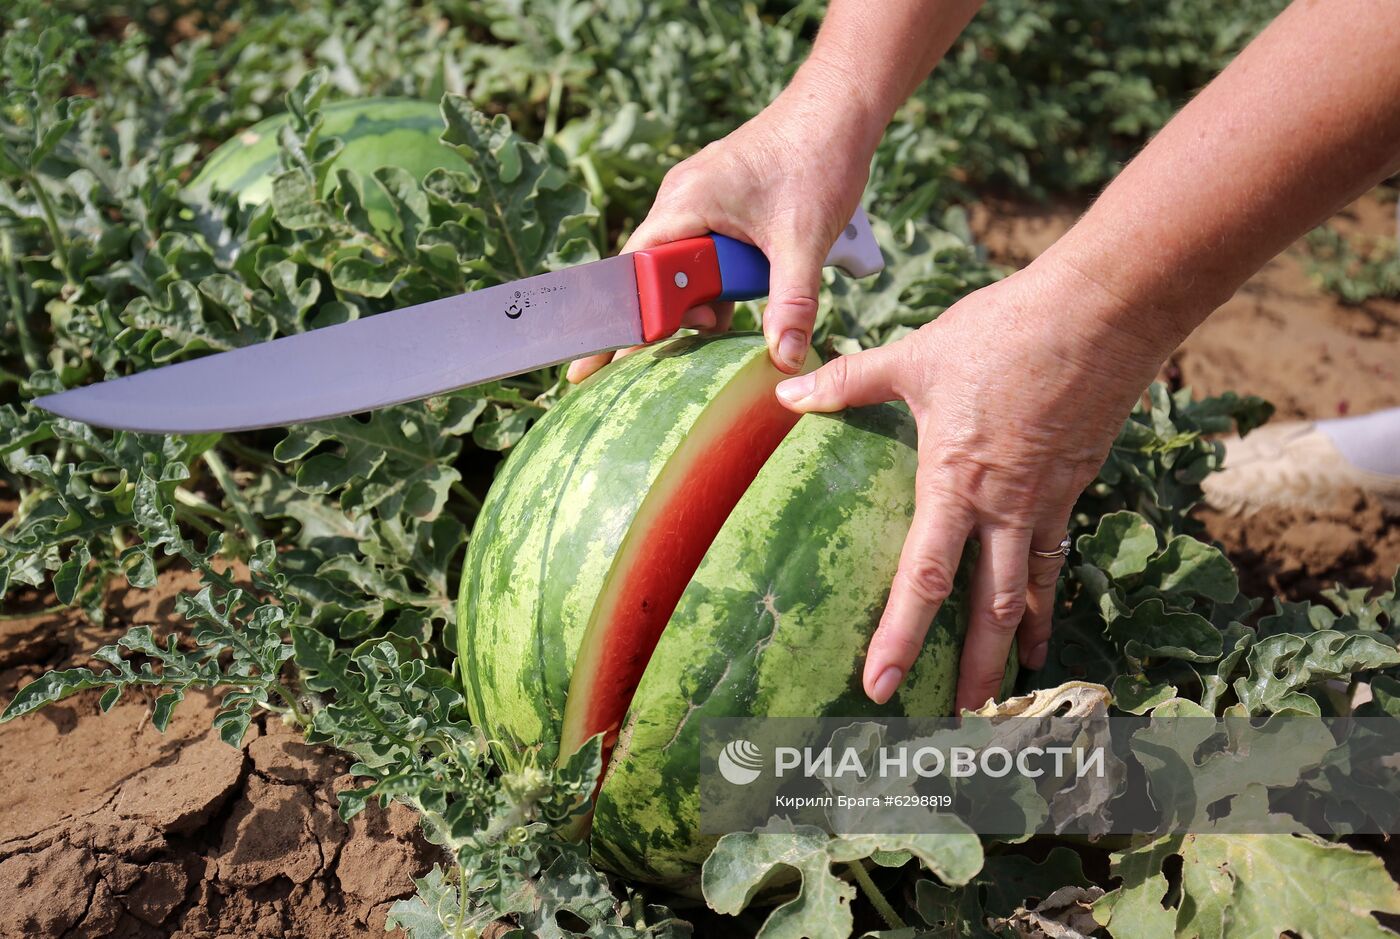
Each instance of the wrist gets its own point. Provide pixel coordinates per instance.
(1112, 299)
(1123, 340)
(826, 94)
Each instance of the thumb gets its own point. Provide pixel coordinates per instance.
(868, 377)
(794, 280)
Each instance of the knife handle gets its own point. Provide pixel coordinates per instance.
(674, 277)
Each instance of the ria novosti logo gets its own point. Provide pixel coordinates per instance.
(740, 762)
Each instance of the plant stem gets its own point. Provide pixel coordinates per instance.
(298, 715)
(599, 195)
(234, 495)
(466, 495)
(457, 928)
(873, 894)
(246, 453)
(195, 503)
(60, 243)
(33, 360)
(190, 517)
(556, 94)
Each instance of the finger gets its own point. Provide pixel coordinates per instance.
(867, 377)
(998, 602)
(663, 225)
(921, 584)
(656, 228)
(795, 276)
(724, 316)
(1033, 638)
(701, 317)
(579, 369)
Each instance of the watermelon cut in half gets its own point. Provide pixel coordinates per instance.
(669, 543)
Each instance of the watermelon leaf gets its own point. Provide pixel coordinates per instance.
(1121, 545)
(1249, 885)
(1283, 667)
(1005, 883)
(743, 863)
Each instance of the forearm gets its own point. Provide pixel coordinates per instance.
(1306, 119)
(869, 57)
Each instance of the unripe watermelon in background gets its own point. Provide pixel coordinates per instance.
(642, 562)
(375, 132)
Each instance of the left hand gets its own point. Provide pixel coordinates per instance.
(1018, 391)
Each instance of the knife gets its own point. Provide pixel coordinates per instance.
(446, 344)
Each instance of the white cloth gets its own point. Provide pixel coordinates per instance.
(1369, 441)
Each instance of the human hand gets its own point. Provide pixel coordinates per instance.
(1018, 391)
(786, 181)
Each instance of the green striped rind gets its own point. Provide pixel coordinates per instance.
(375, 132)
(774, 623)
(555, 518)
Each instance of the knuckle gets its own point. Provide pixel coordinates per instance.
(836, 374)
(928, 580)
(900, 644)
(680, 181)
(1005, 611)
(1045, 575)
(796, 303)
(985, 681)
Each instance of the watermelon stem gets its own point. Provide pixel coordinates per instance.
(33, 358)
(875, 896)
(467, 496)
(220, 471)
(60, 241)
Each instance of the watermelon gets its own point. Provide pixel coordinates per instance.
(667, 544)
(375, 132)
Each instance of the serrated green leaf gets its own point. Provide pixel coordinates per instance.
(1281, 667)
(1121, 544)
(364, 277)
(1190, 566)
(1153, 631)
(426, 914)
(1250, 885)
(534, 217)
(743, 863)
(1135, 694)
(48, 688)
(295, 202)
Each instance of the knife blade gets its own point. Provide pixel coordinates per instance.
(443, 345)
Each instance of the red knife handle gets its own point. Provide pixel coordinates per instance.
(671, 279)
(675, 277)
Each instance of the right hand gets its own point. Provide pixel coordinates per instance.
(787, 182)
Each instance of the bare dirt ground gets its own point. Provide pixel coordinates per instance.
(109, 828)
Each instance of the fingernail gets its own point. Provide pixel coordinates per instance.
(886, 684)
(795, 389)
(1035, 660)
(792, 348)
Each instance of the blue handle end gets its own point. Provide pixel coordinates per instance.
(743, 269)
